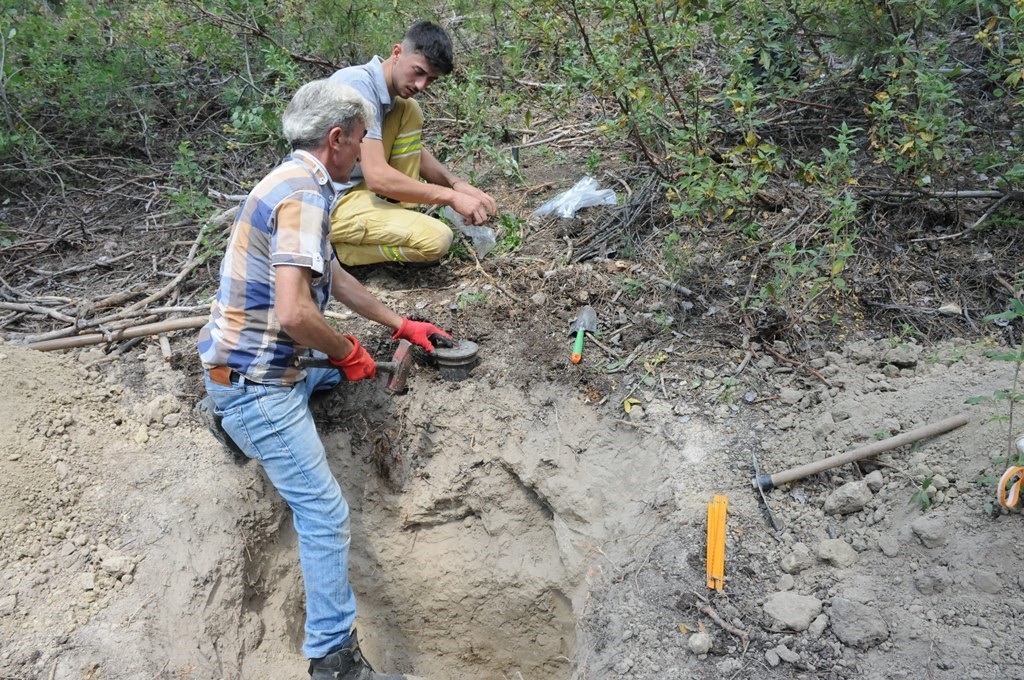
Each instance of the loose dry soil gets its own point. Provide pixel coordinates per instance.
(519, 524)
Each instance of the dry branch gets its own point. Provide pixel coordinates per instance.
(36, 309)
(191, 263)
(954, 194)
(122, 334)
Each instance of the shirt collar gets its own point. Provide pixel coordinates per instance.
(319, 171)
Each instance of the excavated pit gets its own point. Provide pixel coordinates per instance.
(479, 517)
(483, 516)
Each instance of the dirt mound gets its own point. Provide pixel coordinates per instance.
(863, 581)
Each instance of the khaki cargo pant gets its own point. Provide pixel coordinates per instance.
(366, 228)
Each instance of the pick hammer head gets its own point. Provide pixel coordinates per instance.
(398, 368)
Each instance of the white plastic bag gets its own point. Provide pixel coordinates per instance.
(483, 238)
(583, 195)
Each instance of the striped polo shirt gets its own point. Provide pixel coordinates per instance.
(285, 220)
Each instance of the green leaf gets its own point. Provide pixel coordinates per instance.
(977, 400)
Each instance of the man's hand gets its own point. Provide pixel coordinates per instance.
(358, 365)
(472, 209)
(464, 187)
(420, 333)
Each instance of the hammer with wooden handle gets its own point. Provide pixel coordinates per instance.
(766, 482)
(397, 369)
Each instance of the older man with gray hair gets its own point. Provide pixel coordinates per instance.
(277, 273)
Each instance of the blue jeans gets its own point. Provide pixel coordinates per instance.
(275, 426)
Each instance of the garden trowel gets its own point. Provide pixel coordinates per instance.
(585, 321)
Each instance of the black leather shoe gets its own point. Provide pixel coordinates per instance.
(347, 663)
(207, 415)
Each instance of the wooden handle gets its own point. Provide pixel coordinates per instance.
(771, 481)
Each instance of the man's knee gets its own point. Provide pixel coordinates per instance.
(436, 244)
(331, 518)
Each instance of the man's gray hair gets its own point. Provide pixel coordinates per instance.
(319, 106)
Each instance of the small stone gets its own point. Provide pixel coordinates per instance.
(792, 611)
(837, 552)
(798, 560)
(158, 408)
(824, 426)
(932, 581)
(785, 582)
(172, 420)
(787, 654)
(931, 530)
(87, 581)
(847, 499)
(790, 396)
(857, 625)
(982, 642)
(772, 658)
(892, 426)
(987, 582)
(142, 435)
(940, 482)
(889, 545)
(700, 643)
(729, 667)
(115, 563)
(539, 299)
(874, 480)
(818, 626)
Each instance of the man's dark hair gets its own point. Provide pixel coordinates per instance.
(430, 40)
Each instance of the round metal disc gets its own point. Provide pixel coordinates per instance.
(462, 353)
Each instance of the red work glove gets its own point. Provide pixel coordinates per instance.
(421, 333)
(358, 364)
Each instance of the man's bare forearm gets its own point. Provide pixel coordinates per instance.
(434, 172)
(347, 290)
(299, 316)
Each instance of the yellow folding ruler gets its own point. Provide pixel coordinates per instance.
(716, 542)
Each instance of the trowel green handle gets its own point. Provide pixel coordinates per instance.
(577, 347)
